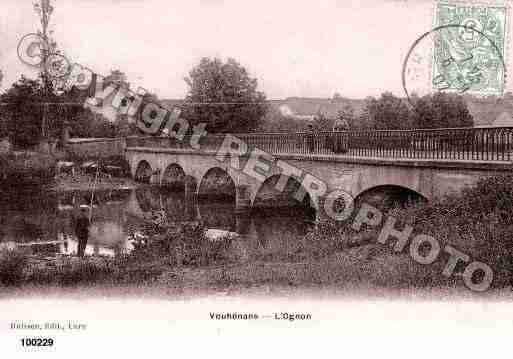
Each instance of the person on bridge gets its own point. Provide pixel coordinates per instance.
(310, 134)
(82, 224)
(340, 141)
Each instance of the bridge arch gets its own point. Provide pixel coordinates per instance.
(143, 172)
(387, 196)
(217, 182)
(174, 177)
(268, 196)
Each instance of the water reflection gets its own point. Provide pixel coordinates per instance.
(42, 223)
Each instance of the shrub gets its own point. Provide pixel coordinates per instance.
(179, 243)
(28, 167)
(94, 271)
(329, 237)
(133, 272)
(12, 267)
(477, 222)
(72, 272)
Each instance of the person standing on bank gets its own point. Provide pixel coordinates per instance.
(82, 224)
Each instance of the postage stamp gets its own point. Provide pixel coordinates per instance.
(470, 47)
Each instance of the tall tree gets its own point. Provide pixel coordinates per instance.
(224, 96)
(25, 103)
(441, 110)
(22, 112)
(388, 112)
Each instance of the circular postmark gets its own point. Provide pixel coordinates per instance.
(461, 58)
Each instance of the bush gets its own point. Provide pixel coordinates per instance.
(327, 238)
(179, 243)
(12, 267)
(28, 167)
(133, 272)
(477, 222)
(94, 271)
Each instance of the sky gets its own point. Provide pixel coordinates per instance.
(293, 48)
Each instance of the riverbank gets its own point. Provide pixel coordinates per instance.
(27, 167)
(193, 265)
(177, 256)
(357, 273)
(86, 182)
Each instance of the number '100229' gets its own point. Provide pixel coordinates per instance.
(37, 342)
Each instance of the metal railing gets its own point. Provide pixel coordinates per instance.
(484, 144)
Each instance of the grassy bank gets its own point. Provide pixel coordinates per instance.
(27, 167)
(170, 255)
(163, 247)
(477, 222)
(18, 269)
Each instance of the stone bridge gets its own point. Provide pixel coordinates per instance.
(325, 166)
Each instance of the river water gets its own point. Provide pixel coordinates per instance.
(41, 222)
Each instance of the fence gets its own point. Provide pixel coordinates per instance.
(487, 144)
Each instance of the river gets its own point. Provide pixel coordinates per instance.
(41, 222)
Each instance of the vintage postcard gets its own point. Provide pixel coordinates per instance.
(174, 172)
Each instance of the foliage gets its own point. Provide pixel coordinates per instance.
(321, 122)
(12, 267)
(87, 124)
(16, 270)
(71, 272)
(388, 112)
(477, 222)
(275, 121)
(28, 117)
(28, 167)
(93, 271)
(439, 110)
(179, 243)
(23, 116)
(236, 104)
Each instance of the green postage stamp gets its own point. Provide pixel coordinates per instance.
(470, 47)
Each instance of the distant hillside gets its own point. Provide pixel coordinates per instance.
(309, 106)
(485, 110)
(300, 107)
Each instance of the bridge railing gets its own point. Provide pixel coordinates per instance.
(487, 143)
